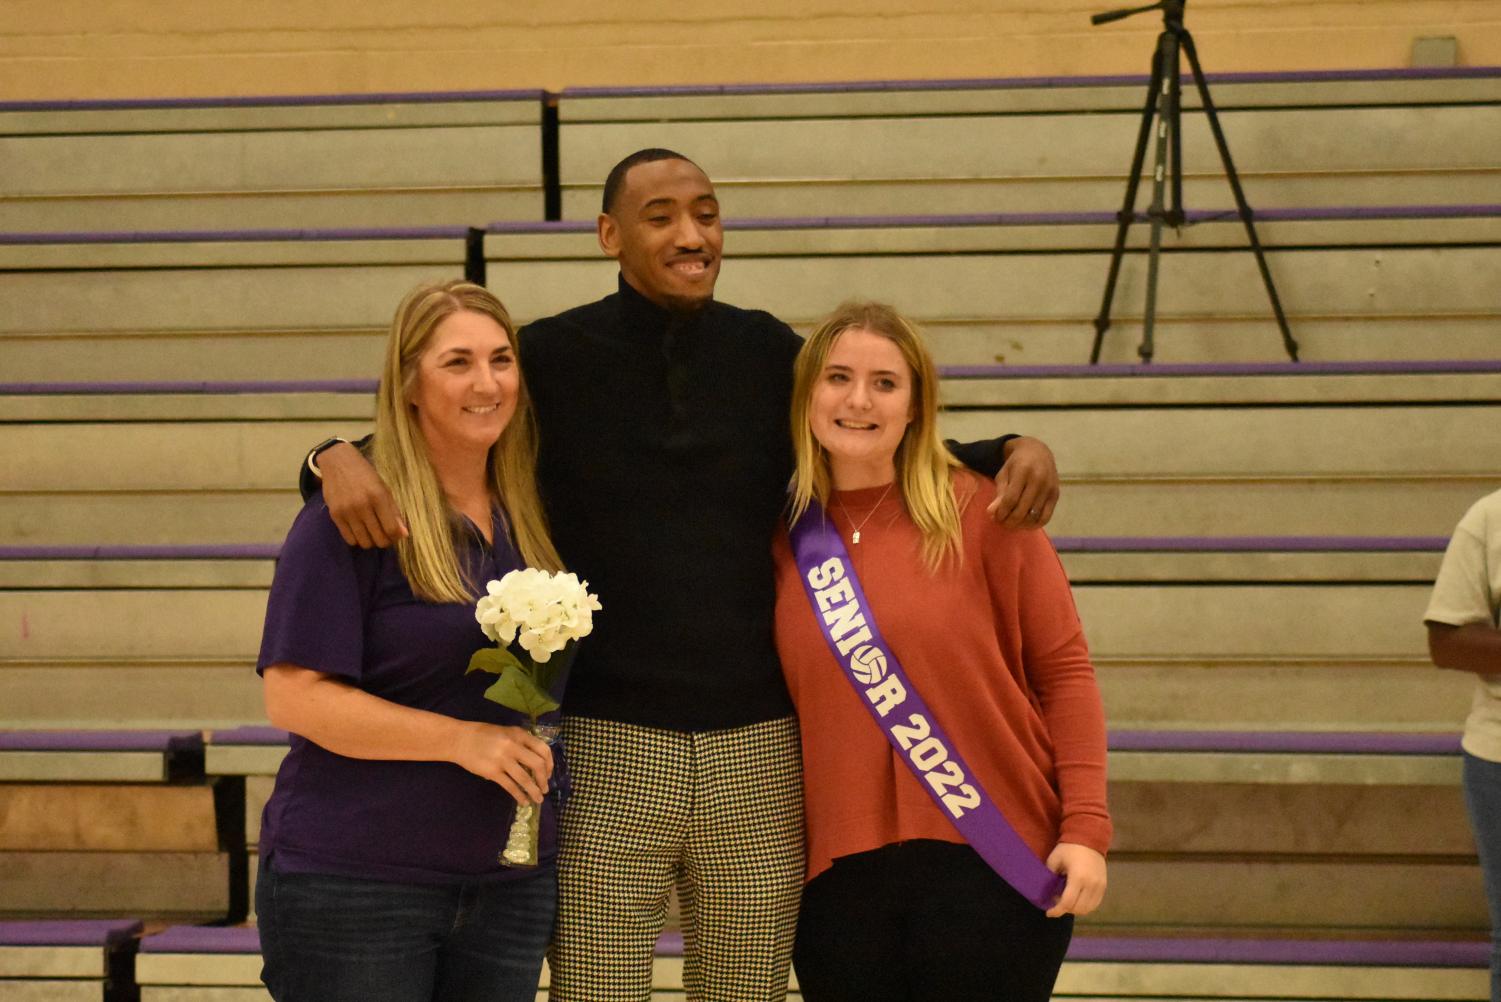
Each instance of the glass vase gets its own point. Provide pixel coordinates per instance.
(521, 848)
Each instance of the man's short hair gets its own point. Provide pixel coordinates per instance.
(616, 179)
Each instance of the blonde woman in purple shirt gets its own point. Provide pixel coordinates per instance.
(380, 879)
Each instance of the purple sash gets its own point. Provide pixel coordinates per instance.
(872, 668)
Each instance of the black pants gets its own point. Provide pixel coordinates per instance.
(924, 920)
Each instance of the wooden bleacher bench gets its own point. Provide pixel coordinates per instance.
(1301, 757)
(198, 964)
(1230, 756)
(223, 965)
(310, 160)
(1356, 288)
(964, 386)
(89, 756)
(1265, 832)
(1053, 143)
(1235, 824)
(99, 823)
(389, 159)
(201, 964)
(1220, 383)
(68, 960)
(161, 492)
(1188, 967)
(1177, 624)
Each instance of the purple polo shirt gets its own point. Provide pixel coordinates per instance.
(349, 612)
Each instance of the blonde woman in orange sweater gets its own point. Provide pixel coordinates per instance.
(952, 733)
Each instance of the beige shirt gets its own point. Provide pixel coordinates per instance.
(1468, 590)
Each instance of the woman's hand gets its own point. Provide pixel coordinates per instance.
(519, 761)
(1085, 887)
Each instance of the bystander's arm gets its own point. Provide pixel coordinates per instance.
(1474, 647)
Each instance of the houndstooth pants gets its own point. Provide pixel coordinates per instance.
(718, 814)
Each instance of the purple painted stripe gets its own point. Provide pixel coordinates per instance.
(255, 734)
(1033, 83)
(246, 939)
(1065, 544)
(963, 83)
(1369, 368)
(749, 223)
(168, 388)
(913, 221)
(1083, 949)
(1101, 218)
(1357, 212)
(1250, 544)
(1291, 742)
(279, 100)
(1362, 953)
(334, 234)
(365, 386)
(856, 86)
(528, 226)
(99, 740)
(237, 236)
(190, 551)
(68, 932)
(204, 939)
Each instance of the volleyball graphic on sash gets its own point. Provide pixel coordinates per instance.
(868, 664)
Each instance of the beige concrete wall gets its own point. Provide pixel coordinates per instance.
(152, 48)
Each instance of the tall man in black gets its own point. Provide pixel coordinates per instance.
(664, 459)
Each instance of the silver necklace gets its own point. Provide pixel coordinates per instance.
(855, 536)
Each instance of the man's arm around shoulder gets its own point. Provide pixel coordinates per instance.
(1025, 474)
(358, 501)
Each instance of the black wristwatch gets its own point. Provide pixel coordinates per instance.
(312, 457)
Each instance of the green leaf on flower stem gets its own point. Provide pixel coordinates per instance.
(516, 690)
(495, 660)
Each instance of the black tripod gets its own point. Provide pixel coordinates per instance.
(1163, 102)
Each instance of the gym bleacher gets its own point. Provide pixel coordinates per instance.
(197, 291)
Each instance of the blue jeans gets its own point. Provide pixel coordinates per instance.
(1483, 797)
(338, 939)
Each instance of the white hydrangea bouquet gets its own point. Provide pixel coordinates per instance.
(546, 615)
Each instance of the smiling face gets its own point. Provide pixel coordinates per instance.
(466, 383)
(664, 230)
(860, 408)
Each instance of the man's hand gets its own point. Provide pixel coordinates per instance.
(357, 499)
(1026, 489)
(1084, 869)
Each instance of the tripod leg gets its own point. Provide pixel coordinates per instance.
(1175, 135)
(1166, 128)
(1241, 205)
(1128, 207)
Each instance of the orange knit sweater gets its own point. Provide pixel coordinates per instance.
(995, 647)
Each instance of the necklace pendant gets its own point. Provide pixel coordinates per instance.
(855, 538)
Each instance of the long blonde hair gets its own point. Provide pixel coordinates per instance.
(924, 465)
(429, 555)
